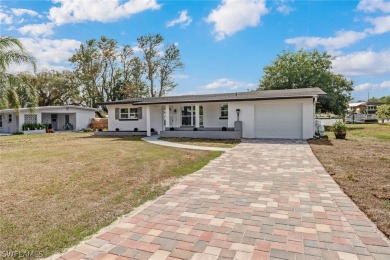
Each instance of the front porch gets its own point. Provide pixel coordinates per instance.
(60, 121)
(205, 132)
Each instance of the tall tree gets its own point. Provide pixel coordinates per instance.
(384, 99)
(87, 62)
(54, 88)
(170, 62)
(149, 45)
(160, 63)
(11, 86)
(305, 69)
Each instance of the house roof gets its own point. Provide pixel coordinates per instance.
(237, 96)
(49, 108)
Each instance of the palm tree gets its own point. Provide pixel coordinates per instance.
(13, 52)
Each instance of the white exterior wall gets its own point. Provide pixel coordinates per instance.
(156, 117)
(247, 114)
(9, 127)
(212, 114)
(83, 118)
(78, 117)
(125, 125)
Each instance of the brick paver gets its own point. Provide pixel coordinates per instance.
(262, 199)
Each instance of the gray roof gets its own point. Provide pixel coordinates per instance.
(237, 96)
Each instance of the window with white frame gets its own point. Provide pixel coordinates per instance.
(224, 111)
(128, 113)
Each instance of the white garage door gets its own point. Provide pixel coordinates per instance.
(278, 121)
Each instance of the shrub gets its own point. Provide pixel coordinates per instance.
(339, 127)
(18, 133)
(383, 112)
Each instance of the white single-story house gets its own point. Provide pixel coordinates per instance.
(257, 114)
(12, 121)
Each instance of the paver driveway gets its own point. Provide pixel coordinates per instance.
(262, 199)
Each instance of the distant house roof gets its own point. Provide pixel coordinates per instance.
(358, 104)
(48, 108)
(238, 96)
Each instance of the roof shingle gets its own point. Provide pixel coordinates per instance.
(237, 96)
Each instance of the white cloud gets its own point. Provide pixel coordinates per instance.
(342, 39)
(184, 20)
(5, 18)
(370, 6)
(229, 84)
(283, 7)
(20, 12)
(76, 11)
(37, 29)
(381, 24)
(234, 15)
(50, 54)
(363, 63)
(373, 86)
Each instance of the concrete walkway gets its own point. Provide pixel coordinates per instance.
(259, 200)
(154, 140)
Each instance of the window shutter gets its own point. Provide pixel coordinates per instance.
(139, 112)
(116, 113)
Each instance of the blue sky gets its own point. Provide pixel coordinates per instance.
(224, 43)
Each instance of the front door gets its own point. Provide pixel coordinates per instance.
(170, 117)
(54, 121)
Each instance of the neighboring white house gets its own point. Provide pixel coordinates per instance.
(12, 121)
(264, 114)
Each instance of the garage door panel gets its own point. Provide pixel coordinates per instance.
(278, 121)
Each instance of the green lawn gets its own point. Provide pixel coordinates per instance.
(56, 189)
(375, 132)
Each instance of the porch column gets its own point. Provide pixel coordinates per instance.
(197, 122)
(148, 132)
(39, 118)
(167, 116)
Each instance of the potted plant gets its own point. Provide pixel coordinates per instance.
(339, 129)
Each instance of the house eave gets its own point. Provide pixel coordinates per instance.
(209, 101)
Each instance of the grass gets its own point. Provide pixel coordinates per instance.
(203, 142)
(57, 189)
(361, 166)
